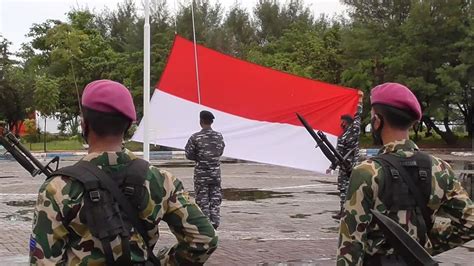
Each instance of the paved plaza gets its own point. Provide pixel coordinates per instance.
(270, 215)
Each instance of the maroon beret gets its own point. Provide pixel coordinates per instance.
(109, 97)
(396, 95)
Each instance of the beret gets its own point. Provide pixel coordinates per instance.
(109, 97)
(396, 95)
(206, 115)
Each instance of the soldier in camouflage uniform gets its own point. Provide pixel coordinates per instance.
(347, 144)
(60, 236)
(394, 110)
(205, 148)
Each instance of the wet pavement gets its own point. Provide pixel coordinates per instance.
(270, 215)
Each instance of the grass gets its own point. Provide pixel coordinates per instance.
(437, 142)
(138, 146)
(434, 141)
(134, 146)
(75, 144)
(56, 145)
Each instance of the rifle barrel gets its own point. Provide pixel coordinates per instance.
(46, 170)
(320, 143)
(334, 151)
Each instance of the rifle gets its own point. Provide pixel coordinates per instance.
(25, 158)
(411, 251)
(326, 147)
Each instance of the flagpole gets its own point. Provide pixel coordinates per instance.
(175, 18)
(146, 83)
(195, 53)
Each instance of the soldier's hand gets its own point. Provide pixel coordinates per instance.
(361, 95)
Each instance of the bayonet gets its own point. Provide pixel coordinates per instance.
(403, 244)
(326, 147)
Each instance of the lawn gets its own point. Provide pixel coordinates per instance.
(75, 145)
(434, 141)
(56, 145)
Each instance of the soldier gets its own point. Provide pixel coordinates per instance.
(205, 148)
(405, 184)
(347, 145)
(82, 219)
(2, 128)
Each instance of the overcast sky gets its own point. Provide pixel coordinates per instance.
(17, 16)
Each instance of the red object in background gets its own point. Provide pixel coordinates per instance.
(21, 125)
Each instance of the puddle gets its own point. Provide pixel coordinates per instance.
(300, 216)
(326, 211)
(302, 261)
(332, 229)
(21, 215)
(15, 217)
(288, 231)
(237, 194)
(336, 193)
(23, 212)
(21, 203)
(245, 212)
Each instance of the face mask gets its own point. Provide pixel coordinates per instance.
(377, 133)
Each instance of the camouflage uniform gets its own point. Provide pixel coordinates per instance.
(205, 148)
(347, 142)
(358, 235)
(61, 238)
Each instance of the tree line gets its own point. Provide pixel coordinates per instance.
(426, 44)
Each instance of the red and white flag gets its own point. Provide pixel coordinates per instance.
(254, 106)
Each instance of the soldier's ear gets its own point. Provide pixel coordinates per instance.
(376, 122)
(382, 121)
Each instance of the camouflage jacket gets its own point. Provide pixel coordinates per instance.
(56, 242)
(205, 148)
(349, 140)
(359, 235)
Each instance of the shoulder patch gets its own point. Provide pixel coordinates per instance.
(32, 244)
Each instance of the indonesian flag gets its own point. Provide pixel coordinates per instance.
(254, 108)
